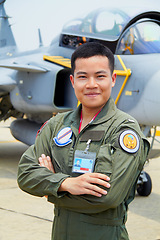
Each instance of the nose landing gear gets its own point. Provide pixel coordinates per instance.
(144, 184)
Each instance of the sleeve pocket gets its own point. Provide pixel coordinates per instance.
(104, 160)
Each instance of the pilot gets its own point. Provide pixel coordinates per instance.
(90, 202)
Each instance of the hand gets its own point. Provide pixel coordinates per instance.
(45, 161)
(86, 184)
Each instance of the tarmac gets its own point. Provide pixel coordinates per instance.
(24, 217)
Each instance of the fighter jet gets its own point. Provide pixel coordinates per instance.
(35, 86)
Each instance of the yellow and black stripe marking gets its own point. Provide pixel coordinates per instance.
(65, 62)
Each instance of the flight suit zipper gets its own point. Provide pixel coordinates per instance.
(74, 145)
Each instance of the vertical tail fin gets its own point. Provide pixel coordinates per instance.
(7, 41)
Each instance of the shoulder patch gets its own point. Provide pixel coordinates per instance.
(129, 141)
(63, 137)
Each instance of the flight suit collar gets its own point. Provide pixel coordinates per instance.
(107, 112)
(73, 119)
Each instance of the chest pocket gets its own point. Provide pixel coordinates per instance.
(104, 160)
(60, 157)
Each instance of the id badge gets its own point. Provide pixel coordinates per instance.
(84, 162)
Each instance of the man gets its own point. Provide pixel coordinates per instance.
(91, 201)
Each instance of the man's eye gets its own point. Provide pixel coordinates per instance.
(101, 76)
(82, 77)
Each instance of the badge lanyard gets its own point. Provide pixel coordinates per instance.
(84, 161)
(81, 118)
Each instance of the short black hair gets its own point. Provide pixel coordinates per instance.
(91, 49)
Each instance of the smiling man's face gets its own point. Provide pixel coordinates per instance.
(93, 81)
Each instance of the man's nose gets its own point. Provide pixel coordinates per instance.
(92, 83)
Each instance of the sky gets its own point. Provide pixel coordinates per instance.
(51, 15)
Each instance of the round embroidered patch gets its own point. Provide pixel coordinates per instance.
(129, 141)
(63, 137)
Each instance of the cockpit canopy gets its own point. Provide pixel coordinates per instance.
(102, 23)
(115, 29)
(143, 37)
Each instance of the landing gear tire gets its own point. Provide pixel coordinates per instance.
(145, 188)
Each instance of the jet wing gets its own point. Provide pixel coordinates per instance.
(25, 68)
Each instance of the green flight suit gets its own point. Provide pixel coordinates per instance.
(84, 217)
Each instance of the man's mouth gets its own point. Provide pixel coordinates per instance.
(91, 94)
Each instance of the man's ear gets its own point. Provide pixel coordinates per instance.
(72, 80)
(114, 75)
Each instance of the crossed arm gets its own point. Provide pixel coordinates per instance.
(84, 184)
